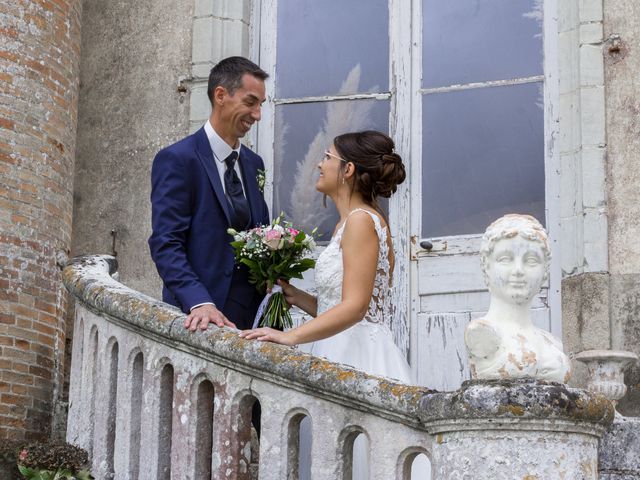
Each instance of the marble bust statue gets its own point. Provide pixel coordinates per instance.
(504, 344)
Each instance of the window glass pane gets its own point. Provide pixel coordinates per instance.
(482, 40)
(320, 43)
(303, 132)
(483, 156)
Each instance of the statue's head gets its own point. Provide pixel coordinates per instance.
(515, 257)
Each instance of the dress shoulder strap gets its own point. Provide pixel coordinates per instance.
(376, 221)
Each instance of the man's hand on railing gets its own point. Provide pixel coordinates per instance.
(203, 315)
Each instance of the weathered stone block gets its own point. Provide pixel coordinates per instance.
(200, 105)
(591, 33)
(592, 110)
(202, 46)
(568, 16)
(572, 246)
(619, 457)
(570, 119)
(585, 311)
(596, 253)
(590, 11)
(591, 65)
(593, 177)
(625, 324)
(570, 185)
(585, 314)
(568, 67)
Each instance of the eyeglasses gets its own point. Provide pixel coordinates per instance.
(328, 154)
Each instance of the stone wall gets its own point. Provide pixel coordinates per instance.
(39, 55)
(134, 101)
(622, 64)
(601, 254)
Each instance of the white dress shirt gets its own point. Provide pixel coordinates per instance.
(222, 150)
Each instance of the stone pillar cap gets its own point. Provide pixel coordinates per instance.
(520, 399)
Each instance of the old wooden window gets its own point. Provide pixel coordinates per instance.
(467, 90)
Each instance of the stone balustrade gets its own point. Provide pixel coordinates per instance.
(150, 400)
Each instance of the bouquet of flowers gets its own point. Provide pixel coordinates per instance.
(271, 252)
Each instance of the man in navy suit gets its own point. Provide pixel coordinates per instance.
(202, 185)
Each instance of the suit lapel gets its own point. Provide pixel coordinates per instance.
(251, 186)
(205, 154)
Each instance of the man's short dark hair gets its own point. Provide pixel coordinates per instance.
(228, 74)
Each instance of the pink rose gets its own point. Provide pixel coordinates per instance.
(294, 233)
(23, 455)
(273, 235)
(272, 239)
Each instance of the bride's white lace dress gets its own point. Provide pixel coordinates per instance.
(368, 345)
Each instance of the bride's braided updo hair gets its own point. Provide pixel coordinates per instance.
(379, 170)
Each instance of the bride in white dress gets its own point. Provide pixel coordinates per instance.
(352, 312)
(353, 274)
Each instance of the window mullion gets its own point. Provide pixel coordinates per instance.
(266, 128)
(400, 128)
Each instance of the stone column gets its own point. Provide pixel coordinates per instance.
(39, 55)
(517, 429)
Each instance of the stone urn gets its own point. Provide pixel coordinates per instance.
(606, 371)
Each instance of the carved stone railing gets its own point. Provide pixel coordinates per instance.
(150, 400)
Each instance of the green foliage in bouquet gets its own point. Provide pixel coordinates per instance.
(272, 252)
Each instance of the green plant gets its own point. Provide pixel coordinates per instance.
(53, 461)
(37, 474)
(8, 460)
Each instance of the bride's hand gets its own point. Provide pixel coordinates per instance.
(266, 334)
(290, 292)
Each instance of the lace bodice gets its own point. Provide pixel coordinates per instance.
(329, 274)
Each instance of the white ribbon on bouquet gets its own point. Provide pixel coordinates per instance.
(263, 305)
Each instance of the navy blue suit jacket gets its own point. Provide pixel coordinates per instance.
(190, 216)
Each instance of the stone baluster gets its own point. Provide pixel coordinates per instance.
(122, 447)
(82, 415)
(222, 459)
(232, 427)
(383, 456)
(273, 440)
(151, 417)
(77, 407)
(94, 365)
(327, 462)
(183, 431)
(390, 460)
(104, 409)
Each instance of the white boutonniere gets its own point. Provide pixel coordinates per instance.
(260, 178)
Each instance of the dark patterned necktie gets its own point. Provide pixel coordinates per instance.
(240, 214)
